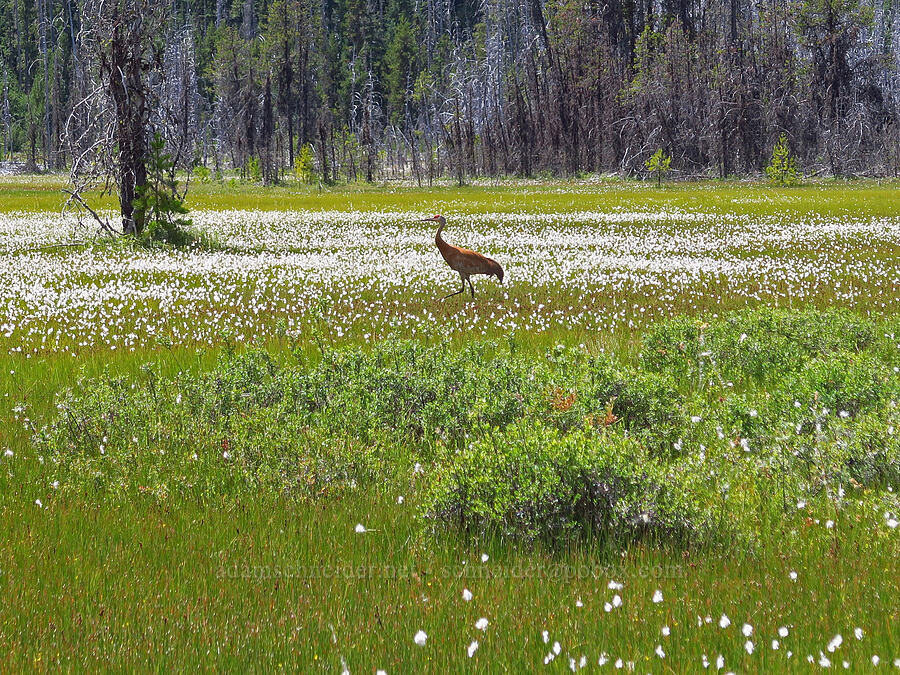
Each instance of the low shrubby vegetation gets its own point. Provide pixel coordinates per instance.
(716, 430)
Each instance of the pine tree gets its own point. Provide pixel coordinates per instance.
(659, 164)
(782, 168)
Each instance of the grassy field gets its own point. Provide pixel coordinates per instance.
(285, 451)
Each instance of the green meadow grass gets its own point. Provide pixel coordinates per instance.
(824, 197)
(263, 581)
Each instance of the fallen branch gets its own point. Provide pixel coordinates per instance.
(77, 197)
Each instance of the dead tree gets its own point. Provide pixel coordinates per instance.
(121, 46)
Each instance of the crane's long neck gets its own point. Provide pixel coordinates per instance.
(437, 237)
(445, 248)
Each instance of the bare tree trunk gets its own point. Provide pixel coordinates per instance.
(122, 65)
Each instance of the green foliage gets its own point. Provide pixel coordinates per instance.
(530, 446)
(304, 165)
(159, 200)
(252, 171)
(529, 480)
(758, 344)
(203, 174)
(658, 164)
(782, 168)
(401, 63)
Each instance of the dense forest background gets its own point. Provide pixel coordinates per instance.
(417, 89)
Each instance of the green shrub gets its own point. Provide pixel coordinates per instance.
(526, 445)
(756, 344)
(782, 168)
(203, 174)
(843, 384)
(873, 448)
(161, 202)
(532, 481)
(658, 165)
(645, 404)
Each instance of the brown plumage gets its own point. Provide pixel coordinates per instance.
(463, 260)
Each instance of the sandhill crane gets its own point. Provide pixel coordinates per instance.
(463, 260)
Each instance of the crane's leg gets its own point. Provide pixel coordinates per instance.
(471, 288)
(462, 290)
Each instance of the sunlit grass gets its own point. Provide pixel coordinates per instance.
(183, 584)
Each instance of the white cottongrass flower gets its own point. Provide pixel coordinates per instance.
(748, 646)
(467, 596)
(557, 648)
(747, 630)
(665, 631)
(783, 631)
(775, 644)
(226, 454)
(418, 468)
(614, 586)
(360, 528)
(603, 660)
(380, 672)
(481, 624)
(835, 642)
(546, 636)
(875, 659)
(579, 603)
(607, 607)
(724, 621)
(897, 662)
(659, 652)
(582, 662)
(705, 661)
(470, 650)
(617, 600)
(892, 523)
(720, 662)
(657, 596)
(39, 504)
(858, 633)
(696, 418)
(829, 524)
(484, 557)
(619, 663)
(8, 452)
(420, 638)
(846, 665)
(824, 662)
(793, 576)
(400, 499)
